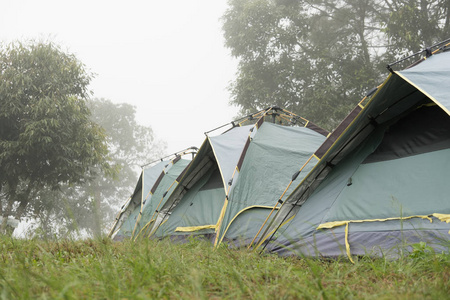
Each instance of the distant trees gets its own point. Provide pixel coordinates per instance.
(91, 207)
(57, 163)
(317, 58)
(46, 136)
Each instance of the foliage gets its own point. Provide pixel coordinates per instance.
(318, 58)
(101, 269)
(411, 25)
(91, 206)
(46, 136)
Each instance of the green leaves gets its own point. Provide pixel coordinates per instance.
(318, 58)
(46, 136)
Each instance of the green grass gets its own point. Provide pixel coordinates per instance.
(32, 269)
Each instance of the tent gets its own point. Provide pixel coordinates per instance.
(230, 186)
(381, 184)
(155, 184)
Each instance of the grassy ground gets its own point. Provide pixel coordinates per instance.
(31, 269)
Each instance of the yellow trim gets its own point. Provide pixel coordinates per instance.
(354, 119)
(144, 228)
(360, 105)
(221, 216)
(281, 197)
(329, 225)
(347, 245)
(443, 218)
(270, 233)
(333, 224)
(425, 93)
(241, 211)
(227, 191)
(160, 201)
(316, 157)
(195, 228)
(306, 124)
(153, 230)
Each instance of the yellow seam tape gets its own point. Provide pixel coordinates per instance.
(347, 245)
(195, 228)
(329, 225)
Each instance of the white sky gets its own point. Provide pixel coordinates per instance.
(165, 58)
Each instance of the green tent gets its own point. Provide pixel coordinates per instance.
(155, 184)
(231, 185)
(382, 180)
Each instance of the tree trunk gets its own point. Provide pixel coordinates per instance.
(97, 224)
(4, 224)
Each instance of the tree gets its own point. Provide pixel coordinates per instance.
(92, 205)
(318, 58)
(411, 25)
(46, 135)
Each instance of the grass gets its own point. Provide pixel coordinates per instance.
(101, 269)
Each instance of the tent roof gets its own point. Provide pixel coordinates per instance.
(431, 77)
(226, 151)
(400, 92)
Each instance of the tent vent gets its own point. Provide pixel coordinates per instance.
(280, 201)
(144, 201)
(230, 182)
(165, 193)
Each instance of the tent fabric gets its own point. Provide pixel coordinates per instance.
(432, 78)
(199, 207)
(160, 194)
(228, 148)
(388, 169)
(153, 181)
(223, 157)
(130, 212)
(275, 154)
(253, 165)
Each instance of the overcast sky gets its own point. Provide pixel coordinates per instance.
(165, 58)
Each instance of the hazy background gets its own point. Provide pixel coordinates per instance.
(165, 58)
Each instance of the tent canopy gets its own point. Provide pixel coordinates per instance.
(383, 171)
(155, 181)
(234, 173)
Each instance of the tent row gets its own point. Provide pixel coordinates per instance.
(228, 186)
(279, 183)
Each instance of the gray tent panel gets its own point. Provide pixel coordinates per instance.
(227, 148)
(388, 168)
(432, 77)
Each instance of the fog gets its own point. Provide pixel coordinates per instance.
(165, 58)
